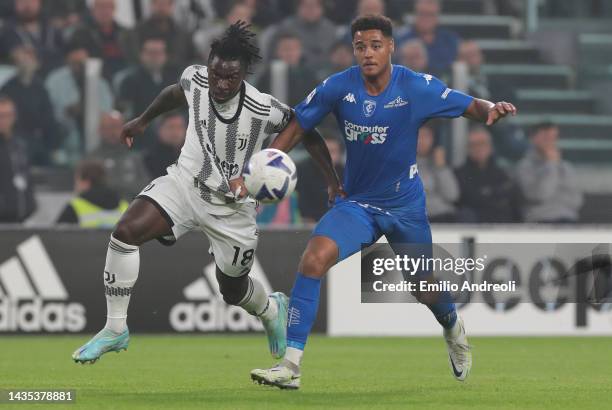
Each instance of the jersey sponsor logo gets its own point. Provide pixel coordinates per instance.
(446, 93)
(311, 96)
(350, 98)
(369, 107)
(428, 78)
(204, 309)
(34, 297)
(398, 102)
(366, 134)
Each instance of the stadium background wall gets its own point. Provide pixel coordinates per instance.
(51, 282)
(175, 292)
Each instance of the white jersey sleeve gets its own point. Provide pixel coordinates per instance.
(280, 115)
(194, 75)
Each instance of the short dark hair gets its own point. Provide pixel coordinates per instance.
(152, 37)
(372, 22)
(236, 44)
(91, 170)
(544, 125)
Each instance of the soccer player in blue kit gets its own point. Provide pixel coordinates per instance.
(379, 108)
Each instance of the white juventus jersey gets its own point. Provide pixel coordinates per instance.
(216, 149)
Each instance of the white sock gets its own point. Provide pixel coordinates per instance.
(294, 356)
(257, 302)
(120, 274)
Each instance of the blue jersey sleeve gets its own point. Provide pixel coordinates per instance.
(320, 102)
(437, 100)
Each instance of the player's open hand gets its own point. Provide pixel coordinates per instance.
(499, 111)
(132, 129)
(238, 188)
(333, 191)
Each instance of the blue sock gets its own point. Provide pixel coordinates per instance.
(444, 310)
(302, 311)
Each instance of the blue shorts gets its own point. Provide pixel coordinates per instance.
(351, 225)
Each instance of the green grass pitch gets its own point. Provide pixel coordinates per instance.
(212, 372)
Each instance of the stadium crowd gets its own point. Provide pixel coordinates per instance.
(46, 44)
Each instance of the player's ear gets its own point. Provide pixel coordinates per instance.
(391, 45)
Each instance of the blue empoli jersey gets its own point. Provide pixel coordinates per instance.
(380, 132)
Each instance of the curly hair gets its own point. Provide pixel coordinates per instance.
(236, 44)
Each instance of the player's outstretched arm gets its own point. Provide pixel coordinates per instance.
(170, 98)
(316, 147)
(488, 112)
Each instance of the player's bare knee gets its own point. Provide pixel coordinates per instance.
(125, 232)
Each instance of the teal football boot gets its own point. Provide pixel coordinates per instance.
(105, 341)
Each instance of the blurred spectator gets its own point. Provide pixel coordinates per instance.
(16, 192)
(170, 140)
(266, 12)
(413, 55)
(29, 27)
(125, 168)
(438, 179)
(487, 194)
(471, 54)
(316, 32)
(95, 204)
(111, 42)
(509, 141)
(370, 7)
(204, 37)
(194, 14)
(300, 77)
(311, 187)
(479, 85)
(442, 44)
(548, 182)
(35, 120)
(344, 11)
(66, 86)
(64, 14)
(141, 84)
(349, 11)
(340, 58)
(161, 24)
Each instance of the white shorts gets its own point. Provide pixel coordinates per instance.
(231, 229)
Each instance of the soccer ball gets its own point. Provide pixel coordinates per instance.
(270, 176)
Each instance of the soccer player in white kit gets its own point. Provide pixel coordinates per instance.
(228, 121)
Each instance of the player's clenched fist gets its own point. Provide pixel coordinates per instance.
(499, 111)
(238, 188)
(132, 129)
